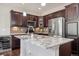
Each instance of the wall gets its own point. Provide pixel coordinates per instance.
(5, 19)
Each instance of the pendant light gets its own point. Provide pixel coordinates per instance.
(24, 14)
(43, 4)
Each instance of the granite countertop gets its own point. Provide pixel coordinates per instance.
(45, 41)
(18, 33)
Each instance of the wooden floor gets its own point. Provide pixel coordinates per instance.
(15, 52)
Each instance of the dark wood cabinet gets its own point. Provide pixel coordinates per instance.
(30, 18)
(72, 11)
(71, 15)
(45, 21)
(15, 42)
(75, 46)
(65, 49)
(36, 18)
(60, 13)
(16, 18)
(24, 21)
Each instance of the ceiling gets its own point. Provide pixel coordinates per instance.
(32, 8)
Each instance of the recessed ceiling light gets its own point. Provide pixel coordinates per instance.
(39, 8)
(43, 4)
(23, 3)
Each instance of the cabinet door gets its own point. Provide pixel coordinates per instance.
(24, 21)
(16, 18)
(45, 21)
(71, 11)
(65, 49)
(15, 42)
(75, 46)
(36, 19)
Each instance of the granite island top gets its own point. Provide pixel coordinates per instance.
(45, 41)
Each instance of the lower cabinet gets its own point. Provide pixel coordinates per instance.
(65, 49)
(15, 43)
(75, 46)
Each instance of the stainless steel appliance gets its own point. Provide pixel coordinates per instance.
(56, 26)
(5, 43)
(31, 23)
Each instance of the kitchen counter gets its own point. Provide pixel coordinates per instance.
(41, 39)
(44, 44)
(18, 34)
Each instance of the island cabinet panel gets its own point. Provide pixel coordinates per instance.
(72, 11)
(15, 42)
(16, 18)
(65, 49)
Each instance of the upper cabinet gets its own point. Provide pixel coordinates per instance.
(45, 21)
(60, 13)
(36, 18)
(16, 18)
(72, 11)
(32, 18)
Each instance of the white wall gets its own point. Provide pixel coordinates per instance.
(5, 19)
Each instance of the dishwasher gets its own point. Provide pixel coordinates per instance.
(5, 43)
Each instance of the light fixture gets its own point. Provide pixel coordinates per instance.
(24, 14)
(15, 28)
(43, 4)
(23, 3)
(39, 8)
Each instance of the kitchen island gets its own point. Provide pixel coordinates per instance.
(40, 45)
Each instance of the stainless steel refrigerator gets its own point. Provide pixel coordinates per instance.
(56, 26)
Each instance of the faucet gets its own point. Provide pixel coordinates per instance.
(30, 29)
